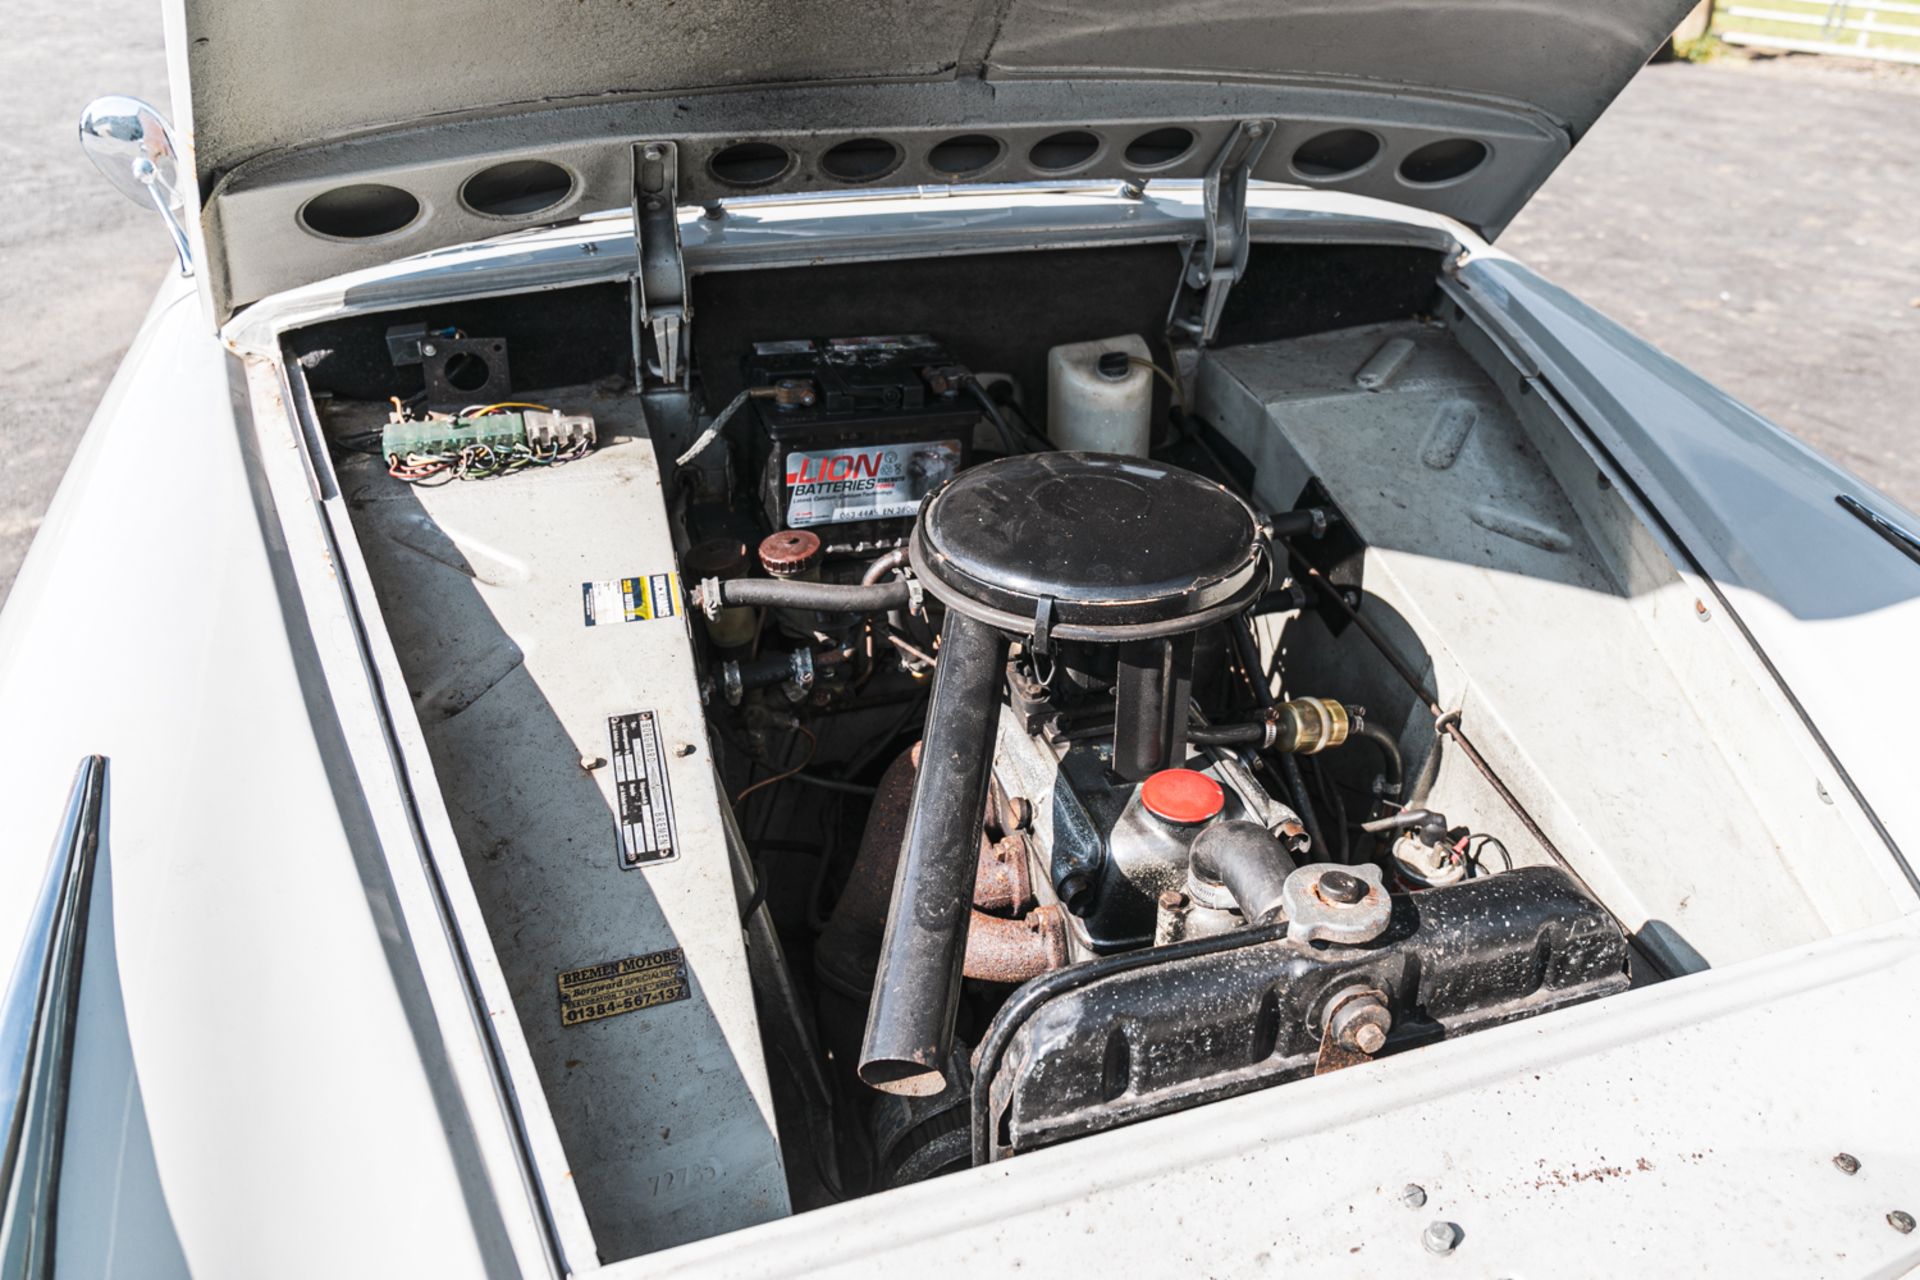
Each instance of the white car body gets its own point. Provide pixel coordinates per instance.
(297, 1054)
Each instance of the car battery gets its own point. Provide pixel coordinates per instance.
(858, 431)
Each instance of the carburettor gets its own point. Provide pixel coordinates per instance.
(1117, 853)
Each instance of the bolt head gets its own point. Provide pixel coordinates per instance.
(1360, 1022)
(1256, 130)
(428, 349)
(1440, 1237)
(1413, 1195)
(1902, 1221)
(651, 153)
(1846, 1164)
(683, 749)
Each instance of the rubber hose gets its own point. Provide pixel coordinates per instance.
(821, 597)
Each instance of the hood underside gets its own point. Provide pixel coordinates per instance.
(329, 137)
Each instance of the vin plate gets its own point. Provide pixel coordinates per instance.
(643, 806)
(621, 986)
(870, 482)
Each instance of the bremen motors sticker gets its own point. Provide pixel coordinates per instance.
(871, 482)
(622, 986)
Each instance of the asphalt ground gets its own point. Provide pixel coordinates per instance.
(1753, 217)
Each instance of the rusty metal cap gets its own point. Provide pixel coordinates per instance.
(715, 558)
(789, 553)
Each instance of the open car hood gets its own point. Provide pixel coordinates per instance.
(329, 137)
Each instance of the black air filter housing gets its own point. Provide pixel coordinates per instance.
(1089, 546)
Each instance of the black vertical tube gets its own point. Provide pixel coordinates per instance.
(1153, 683)
(1248, 648)
(916, 988)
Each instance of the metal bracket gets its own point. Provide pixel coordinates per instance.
(660, 307)
(1217, 263)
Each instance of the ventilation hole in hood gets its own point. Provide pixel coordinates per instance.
(1063, 151)
(749, 164)
(1159, 146)
(861, 160)
(1443, 161)
(516, 188)
(1335, 154)
(967, 153)
(360, 211)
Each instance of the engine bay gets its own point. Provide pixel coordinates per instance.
(910, 750)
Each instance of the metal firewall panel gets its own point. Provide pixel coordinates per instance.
(575, 766)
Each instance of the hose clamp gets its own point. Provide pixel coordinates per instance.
(710, 598)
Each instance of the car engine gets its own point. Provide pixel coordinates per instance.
(1095, 889)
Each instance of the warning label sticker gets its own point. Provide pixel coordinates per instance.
(621, 986)
(871, 482)
(631, 599)
(643, 806)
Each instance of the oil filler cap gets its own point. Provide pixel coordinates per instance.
(1182, 795)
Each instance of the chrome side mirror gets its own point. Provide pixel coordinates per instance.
(132, 144)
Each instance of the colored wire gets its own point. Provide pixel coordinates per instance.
(806, 759)
(477, 411)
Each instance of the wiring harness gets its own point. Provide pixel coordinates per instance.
(481, 441)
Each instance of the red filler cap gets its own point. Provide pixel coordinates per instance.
(1182, 795)
(790, 553)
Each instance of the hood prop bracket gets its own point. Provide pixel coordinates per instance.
(660, 307)
(1217, 262)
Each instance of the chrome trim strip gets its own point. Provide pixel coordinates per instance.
(1903, 540)
(36, 1032)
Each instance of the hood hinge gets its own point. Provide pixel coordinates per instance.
(660, 307)
(1216, 263)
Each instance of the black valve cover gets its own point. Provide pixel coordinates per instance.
(1245, 1010)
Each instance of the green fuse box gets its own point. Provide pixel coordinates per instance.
(537, 429)
(497, 430)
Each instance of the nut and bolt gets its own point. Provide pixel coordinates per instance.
(1440, 1237)
(1902, 1221)
(1360, 1022)
(1413, 1195)
(1846, 1164)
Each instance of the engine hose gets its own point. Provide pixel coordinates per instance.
(1248, 650)
(1229, 735)
(1389, 753)
(821, 597)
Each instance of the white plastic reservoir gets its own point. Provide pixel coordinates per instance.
(1098, 411)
